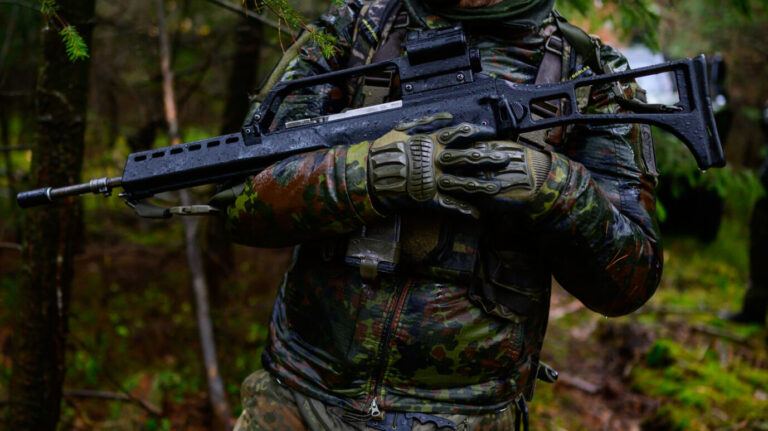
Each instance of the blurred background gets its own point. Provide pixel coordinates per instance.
(132, 356)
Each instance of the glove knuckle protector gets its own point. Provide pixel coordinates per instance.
(406, 166)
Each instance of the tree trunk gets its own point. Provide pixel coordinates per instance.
(52, 232)
(218, 253)
(242, 76)
(217, 395)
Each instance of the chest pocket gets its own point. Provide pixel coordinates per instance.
(512, 283)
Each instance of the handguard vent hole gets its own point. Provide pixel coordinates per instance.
(232, 140)
(139, 158)
(177, 150)
(212, 144)
(158, 154)
(195, 147)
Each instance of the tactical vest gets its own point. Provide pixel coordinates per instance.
(442, 246)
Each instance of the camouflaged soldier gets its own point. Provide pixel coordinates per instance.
(400, 312)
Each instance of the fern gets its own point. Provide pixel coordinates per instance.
(325, 41)
(75, 45)
(292, 18)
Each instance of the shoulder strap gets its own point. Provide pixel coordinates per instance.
(582, 43)
(551, 67)
(376, 37)
(371, 28)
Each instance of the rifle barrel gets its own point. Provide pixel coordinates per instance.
(47, 195)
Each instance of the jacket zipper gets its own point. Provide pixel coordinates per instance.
(392, 319)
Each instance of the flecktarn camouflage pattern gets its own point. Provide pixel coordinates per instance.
(270, 406)
(459, 329)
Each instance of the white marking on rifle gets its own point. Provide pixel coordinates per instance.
(346, 114)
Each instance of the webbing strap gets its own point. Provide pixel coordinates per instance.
(584, 45)
(376, 248)
(371, 29)
(550, 70)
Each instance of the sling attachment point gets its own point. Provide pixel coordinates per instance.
(145, 209)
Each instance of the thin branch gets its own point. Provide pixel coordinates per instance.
(17, 93)
(16, 148)
(22, 4)
(559, 312)
(254, 15)
(216, 393)
(80, 393)
(673, 309)
(720, 333)
(7, 42)
(579, 383)
(10, 246)
(111, 380)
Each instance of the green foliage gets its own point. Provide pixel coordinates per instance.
(660, 355)
(162, 424)
(293, 19)
(710, 23)
(74, 43)
(694, 382)
(48, 7)
(740, 188)
(632, 18)
(325, 41)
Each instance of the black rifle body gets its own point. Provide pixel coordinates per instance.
(439, 74)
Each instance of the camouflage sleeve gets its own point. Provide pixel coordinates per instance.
(304, 197)
(314, 195)
(597, 210)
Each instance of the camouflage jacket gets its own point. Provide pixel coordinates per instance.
(416, 341)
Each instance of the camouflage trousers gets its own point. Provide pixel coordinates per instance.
(269, 406)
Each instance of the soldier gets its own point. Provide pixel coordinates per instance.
(755, 301)
(419, 295)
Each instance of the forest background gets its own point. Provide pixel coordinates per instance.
(125, 327)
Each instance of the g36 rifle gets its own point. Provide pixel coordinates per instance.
(438, 74)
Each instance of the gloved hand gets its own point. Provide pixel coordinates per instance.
(452, 166)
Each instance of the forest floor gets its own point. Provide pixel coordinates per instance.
(672, 365)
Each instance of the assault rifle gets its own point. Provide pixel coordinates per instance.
(438, 74)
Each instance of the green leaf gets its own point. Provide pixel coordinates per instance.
(74, 43)
(292, 18)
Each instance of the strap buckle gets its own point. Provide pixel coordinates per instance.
(376, 87)
(402, 20)
(557, 48)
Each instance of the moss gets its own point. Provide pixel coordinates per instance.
(659, 356)
(693, 385)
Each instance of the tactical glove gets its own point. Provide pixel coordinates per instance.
(452, 166)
